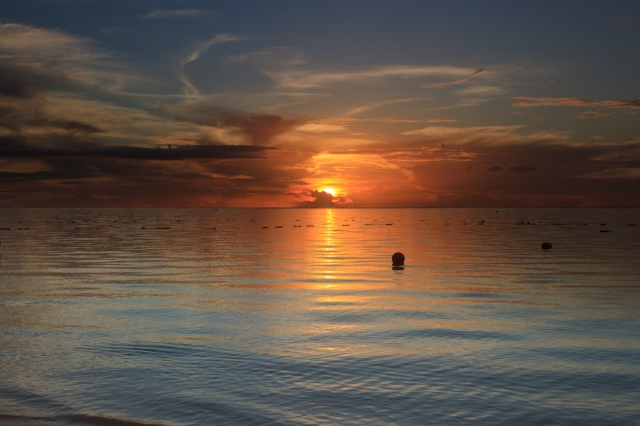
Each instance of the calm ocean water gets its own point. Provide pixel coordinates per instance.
(202, 316)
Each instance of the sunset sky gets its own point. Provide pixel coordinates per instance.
(268, 103)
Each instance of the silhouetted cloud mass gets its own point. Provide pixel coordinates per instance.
(322, 200)
(257, 128)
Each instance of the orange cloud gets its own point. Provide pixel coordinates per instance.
(441, 120)
(595, 114)
(527, 102)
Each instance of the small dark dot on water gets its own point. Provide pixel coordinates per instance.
(546, 245)
(264, 227)
(213, 228)
(144, 227)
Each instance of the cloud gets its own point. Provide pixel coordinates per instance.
(181, 152)
(257, 128)
(322, 200)
(184, 13)
(528, 102)
(495, 168)
(278, 56)
(48, 59)
(489, 135)
(441, 120)
(309, 79)
(619, 173)
(189, 88)
(514, 168)
(456, 82)
(520, 168)
(595, 114)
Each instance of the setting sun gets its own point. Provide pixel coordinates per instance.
(329, 191)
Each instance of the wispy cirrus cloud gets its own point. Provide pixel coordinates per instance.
(441, 120)
(309, 79)
(485, 135)
(528, 102)
(54, 59)
(456, 82)
(618, 173)
(183, 13)
(189, 88)
(595, 114)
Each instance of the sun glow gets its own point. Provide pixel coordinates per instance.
(329, 191)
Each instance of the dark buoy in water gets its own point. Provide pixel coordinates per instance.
(546, 245)
(397, 259)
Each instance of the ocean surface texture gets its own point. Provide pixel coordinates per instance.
(296, 317)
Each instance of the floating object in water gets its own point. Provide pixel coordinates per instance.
(604, 230)
(388, 224)
(163, 228)
(144, 227)
(397, 259)
(5, 229)
(309, 226)
(546, 245)
(213, 228)
(278, 226)
(264, 227)
(603, 224)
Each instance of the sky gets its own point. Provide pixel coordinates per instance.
(191, 103)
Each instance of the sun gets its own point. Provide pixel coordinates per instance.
(329, 191)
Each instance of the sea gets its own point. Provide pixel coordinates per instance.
(297, 317)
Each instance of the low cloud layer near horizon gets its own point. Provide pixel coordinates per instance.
(253, 120)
